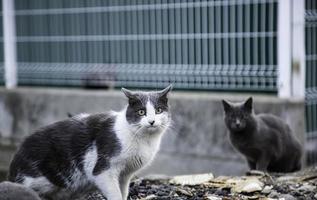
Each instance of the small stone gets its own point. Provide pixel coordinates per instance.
(253, 197)
(307, 187)
(187, 193)
(248, 186)
(192, 179)
(274, 194)
(152, 196)
(161, 193)
(211, 197)
(287, 197)
(222, 191)
(251, 187)
(315, 196)
(267, 189)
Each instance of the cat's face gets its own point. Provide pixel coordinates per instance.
(238, 115)
(148, 112)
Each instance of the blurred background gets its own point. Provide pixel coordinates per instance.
(72, 56)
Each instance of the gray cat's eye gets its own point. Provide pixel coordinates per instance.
(158, 110)
(141, 112)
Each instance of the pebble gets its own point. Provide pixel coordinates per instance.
(222, 191)
(161, 193)
(187, 193)
(211, 197)
(307, 187)
(274, 194)
(253, 197)
(192, 179)
(248, 186)
(251, 187)
(152, 196)
(267, 189)
(287, 197)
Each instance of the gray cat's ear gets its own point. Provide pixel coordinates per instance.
(128, 93)
(248, 104)
(226, 106)
(164, 92)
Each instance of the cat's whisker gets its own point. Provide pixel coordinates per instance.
(170, 127)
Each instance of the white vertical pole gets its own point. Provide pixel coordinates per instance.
(298, 49)
(284, 48)
(10, 63)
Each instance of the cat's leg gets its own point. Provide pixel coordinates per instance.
(262, 163)
(252, 165)
(124, 185)
(108, 183)
(297, 161)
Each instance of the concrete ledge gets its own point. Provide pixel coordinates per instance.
(196, 143)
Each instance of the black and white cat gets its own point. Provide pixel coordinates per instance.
(94, 150)
(265, 140)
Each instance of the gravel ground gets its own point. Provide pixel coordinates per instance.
(256, 185)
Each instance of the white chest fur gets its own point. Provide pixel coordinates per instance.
(138, 148)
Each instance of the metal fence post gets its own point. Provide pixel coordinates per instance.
(291, 49)
(298, 49)
(9, 40)
(284, 48)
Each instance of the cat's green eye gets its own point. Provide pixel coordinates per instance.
(158, 110)
(141, 112)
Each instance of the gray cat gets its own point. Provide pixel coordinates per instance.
(94, 150)
(265, 140)
(14, 191)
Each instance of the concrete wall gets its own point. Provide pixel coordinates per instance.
(196, 143)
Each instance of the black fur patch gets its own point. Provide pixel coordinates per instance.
(54, 150)
(106, 141)
(136, 102)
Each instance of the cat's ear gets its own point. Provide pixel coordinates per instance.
(226, 106)
(128, 93)
(163, 93)
(248, 104)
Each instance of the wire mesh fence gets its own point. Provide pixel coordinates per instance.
(218, 45)
(311, 79)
